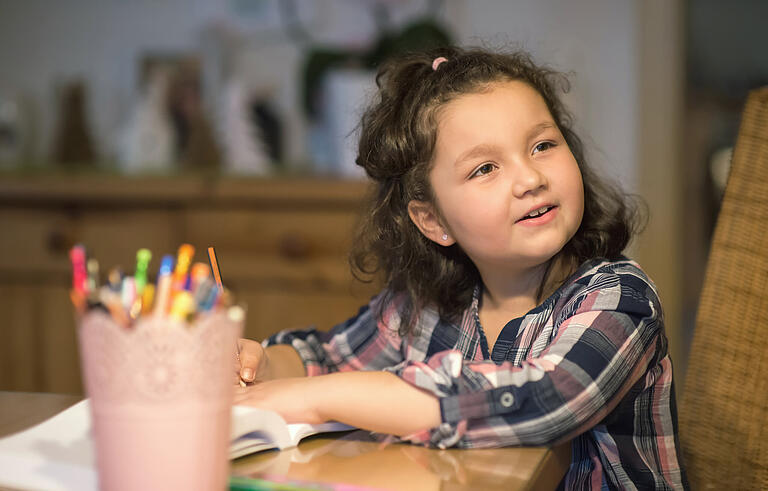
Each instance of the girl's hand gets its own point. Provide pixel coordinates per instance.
(295, 399)
(253, 363)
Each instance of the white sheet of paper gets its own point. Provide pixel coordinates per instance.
(58, 454)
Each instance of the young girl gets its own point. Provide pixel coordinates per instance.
(510, 316)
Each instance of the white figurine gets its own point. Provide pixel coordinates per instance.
(244, 151)
(147, 142)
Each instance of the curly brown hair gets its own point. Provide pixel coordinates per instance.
(397, 139)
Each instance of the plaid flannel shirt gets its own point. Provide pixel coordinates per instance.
(589, 365)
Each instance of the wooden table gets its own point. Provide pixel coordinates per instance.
(353, 458)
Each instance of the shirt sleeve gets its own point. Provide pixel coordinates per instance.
(367, 341)
(603, 343)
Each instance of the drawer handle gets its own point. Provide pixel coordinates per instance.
(59, 242)
(294, 246)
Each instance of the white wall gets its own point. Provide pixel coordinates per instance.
(101, 40)
(43, 43)
(595, 39)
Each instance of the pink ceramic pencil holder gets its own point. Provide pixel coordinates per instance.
(161, 395)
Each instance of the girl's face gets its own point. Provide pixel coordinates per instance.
(508, 189)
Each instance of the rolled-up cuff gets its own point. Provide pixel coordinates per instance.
(482, 404)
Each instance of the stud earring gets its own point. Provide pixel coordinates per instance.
(445, 236)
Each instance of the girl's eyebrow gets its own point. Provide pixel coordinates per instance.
(487, 148)
(539, 129)
(475, 152)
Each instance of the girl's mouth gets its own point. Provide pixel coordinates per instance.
(539, 216)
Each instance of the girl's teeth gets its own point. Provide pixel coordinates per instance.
(538, 212)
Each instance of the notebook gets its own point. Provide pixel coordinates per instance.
(58, 453)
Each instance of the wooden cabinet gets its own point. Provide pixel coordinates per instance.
(282, 247)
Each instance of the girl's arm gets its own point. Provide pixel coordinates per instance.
(363, 342)
(610, 342)
(375, 401)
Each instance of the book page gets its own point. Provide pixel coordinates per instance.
(254, 430)
(298, 431)
(58, 453)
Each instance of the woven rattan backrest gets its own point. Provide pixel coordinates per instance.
(724, 408)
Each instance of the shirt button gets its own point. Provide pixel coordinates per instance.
(507, 399)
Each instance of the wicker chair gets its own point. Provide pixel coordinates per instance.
(724, 408)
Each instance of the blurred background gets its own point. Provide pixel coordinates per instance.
(148, 123)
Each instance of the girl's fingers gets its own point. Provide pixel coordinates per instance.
(250, 358)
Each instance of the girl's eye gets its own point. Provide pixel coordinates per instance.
(484, 169)
(540, 147)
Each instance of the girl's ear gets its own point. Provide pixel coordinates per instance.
(424, 216)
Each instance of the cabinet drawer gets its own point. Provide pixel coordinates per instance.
(290, 234)
(114, 236)
(38, 241)
(33, 240)
(271, 311)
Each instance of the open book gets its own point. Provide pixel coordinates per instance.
(58, 453)
(254, 430)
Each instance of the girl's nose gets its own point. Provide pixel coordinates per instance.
(527, 179)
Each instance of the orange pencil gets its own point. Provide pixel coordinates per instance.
(217, 277)
(215, 267)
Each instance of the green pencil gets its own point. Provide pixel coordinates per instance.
(238, 483)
